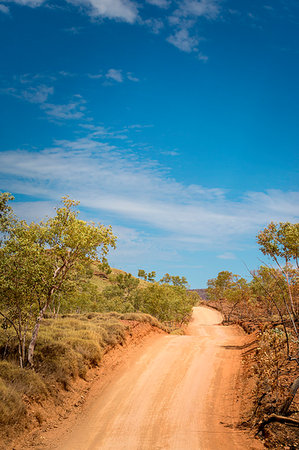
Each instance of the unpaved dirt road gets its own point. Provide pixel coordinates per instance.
(178, 393)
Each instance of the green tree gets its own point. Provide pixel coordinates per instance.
(228, 291)
(167, 303)
(175, 280)
(147, 276)
(166, 279)
(218, 288)
(120, 296)
(142, 274)
(104, 266)
(268, 288)
(42, 259)
(280, 242)
(151, 276)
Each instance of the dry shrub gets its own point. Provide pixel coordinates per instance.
(273, 372)
(11, 406)
(66, 347)
(144, 318)
(87, 348)
(24, 381)
(58, 360)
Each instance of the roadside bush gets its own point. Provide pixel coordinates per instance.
(166, 303)
(11, 406)
(24, 381)
(66, 347)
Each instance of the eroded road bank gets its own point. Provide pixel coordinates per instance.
(176, 393)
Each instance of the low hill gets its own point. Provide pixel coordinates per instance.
(103, 280)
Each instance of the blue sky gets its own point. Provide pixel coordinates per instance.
(174, 121)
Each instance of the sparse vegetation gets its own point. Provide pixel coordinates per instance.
(268, 305)
(62, 303)
(66, 348)
(41, 261)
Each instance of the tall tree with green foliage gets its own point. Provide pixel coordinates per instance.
(142, 274)
(165, 302)
(41, 259)
(175, 280)
(229, 291)
(280, 242)
(120, 296)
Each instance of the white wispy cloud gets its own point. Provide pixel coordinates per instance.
(170, 152)
(184, 21)
(115, 181)
(4, 9)
(180, 17)
(115, 74)
(227, 255)
(123, 10)
(183, 40)
(68, 111)
(28, 88)
(131, 77)
(210, 9)
(30, 3)
(74, 30)
(159, 3)
(38, 94)
(95, 76)
(33, 94)
(153, 24)
(202, 57)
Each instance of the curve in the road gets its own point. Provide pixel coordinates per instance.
(178, 394)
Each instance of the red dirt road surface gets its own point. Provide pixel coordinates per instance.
(177, 393)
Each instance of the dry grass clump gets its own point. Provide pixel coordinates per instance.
(11, 405)
(24, 381)
(134, 316)
(67, 346)
(144, 318)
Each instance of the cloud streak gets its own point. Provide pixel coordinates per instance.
(115, 75)
(115, 181)
(182, 18)
(4, 9)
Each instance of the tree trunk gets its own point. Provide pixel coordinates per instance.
(285, 407)
(20, 354)
(32, 343)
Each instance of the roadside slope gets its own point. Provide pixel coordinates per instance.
(178, 393)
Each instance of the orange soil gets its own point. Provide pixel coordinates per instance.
(173, 392)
